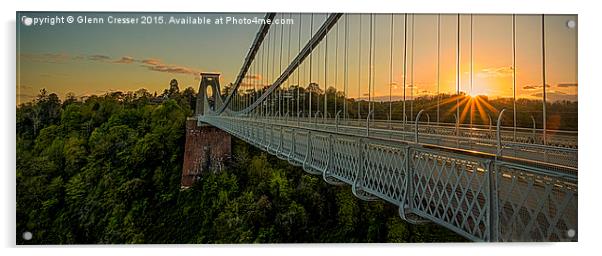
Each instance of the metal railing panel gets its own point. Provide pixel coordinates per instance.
(385, 173)
(535, 205)
(452, 190)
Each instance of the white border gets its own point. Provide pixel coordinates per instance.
(589, 108)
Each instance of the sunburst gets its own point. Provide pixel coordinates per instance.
(471, 105)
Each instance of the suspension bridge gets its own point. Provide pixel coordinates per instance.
(306, 93)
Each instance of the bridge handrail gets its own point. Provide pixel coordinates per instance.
(416, 125)
(554, 169)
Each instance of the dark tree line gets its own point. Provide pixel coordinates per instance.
(106, 169)
(561, 115)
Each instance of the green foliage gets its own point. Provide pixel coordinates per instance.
(107, 169)
(561, 114)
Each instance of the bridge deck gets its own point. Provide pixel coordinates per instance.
(473, 193)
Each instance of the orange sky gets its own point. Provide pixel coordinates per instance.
(95, 59)
(491, 55)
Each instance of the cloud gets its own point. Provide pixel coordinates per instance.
(159, 66)
(98, 57)
(125, 60)
(174, 69)
(63, 57)
(152, 64)
(253, 76)
(534, 87)
(552, 96)
(530, 87)
(46, 57)
(540, 94)
(394, 86)
(151, 61)
(556, 96)
(496, 72)
(565, 85)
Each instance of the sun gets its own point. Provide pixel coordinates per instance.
(472, 94)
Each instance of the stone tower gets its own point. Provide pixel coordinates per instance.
(207, 148)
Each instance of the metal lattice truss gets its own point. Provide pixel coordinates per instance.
(480, 198)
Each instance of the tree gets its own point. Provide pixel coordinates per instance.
(107, 169)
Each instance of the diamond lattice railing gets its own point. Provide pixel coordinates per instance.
(385, 172)
(481, 198)
(535, 206)
(453, 190)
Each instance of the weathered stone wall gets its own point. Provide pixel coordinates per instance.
(207, 149)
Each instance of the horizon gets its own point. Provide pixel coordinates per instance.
(92, 59)
(394, 98)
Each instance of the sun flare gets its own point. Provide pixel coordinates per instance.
(472, 94)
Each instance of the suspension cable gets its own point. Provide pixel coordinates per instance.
(311, 25)
(345, 86)
(288, 57)
(370, 68)
(247, 86)
(359, 73)
(336, 67)
(438, 65)
(298, 71)
(471, 70)
(514, 72)
(268, 73)
(458, 75)
(273, 66)
(319, 70)
(325, 77)
(391, 71)
(263, 75)
(280, 71)
(405, 66)
(412, 73)
(312, 43)
(543, 71)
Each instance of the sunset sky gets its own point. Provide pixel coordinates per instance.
(89, 59)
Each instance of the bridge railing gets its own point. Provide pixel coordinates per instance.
(467, 139)
(475, 195)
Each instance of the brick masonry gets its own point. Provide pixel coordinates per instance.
(207, 149)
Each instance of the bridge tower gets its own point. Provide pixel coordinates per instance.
(207, 147)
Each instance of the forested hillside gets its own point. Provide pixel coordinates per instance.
(106, 169)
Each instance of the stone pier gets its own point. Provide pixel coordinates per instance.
(207, 149)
